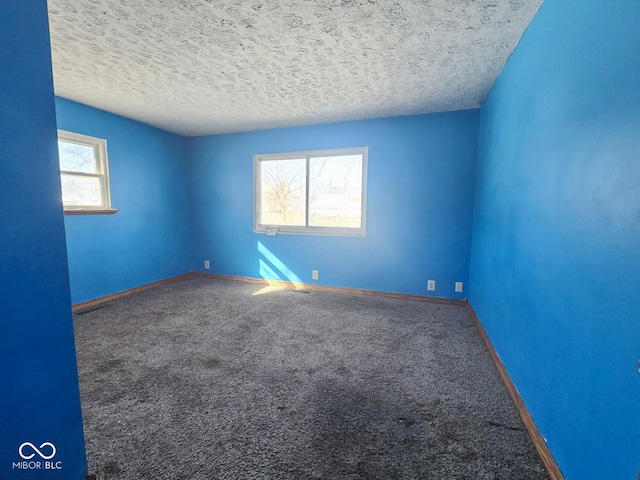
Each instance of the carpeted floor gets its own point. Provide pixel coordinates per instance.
(214, 379)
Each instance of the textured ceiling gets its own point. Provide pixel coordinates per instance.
(198, 67)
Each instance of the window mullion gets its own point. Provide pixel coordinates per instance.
(308, 190)
(82, 174)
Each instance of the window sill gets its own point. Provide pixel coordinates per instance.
(109, 211)
(320, 231)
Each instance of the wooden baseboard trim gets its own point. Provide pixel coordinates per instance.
(534, 433)
(323, 288)
(90, 304)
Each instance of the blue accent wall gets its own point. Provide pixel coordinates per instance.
(148, 239)
(555, 270)
(39, 396)
(419, 205)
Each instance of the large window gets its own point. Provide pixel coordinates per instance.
(84, 172)
(318, 193)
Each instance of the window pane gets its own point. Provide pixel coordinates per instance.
(335, 191)
(282, 185)
(77, 158)
(81, 191)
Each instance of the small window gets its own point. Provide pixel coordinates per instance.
(314, 193)
(84, 172)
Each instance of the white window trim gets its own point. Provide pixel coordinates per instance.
(259, 227)
(99, 146)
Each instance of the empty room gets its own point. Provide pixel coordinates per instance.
(320, 239)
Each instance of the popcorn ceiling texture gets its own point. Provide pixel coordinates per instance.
(197, 67)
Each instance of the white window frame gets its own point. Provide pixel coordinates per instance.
(99, 146)
(268, 229)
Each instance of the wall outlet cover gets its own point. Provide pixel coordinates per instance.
(431, 285)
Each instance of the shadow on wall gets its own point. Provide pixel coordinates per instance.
(272, 268)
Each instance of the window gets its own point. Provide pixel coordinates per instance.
(84, 173)
(315, 193)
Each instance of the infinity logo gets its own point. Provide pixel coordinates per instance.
(36, 450)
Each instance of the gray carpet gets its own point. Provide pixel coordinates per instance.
(214, 379)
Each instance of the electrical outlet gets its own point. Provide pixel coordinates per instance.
(431, 285)
(458, 287)
(206, 264)
(314, 274)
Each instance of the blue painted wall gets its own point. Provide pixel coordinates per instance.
(39, 396)
(148, 239)
(419, 209)
(555, 270)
